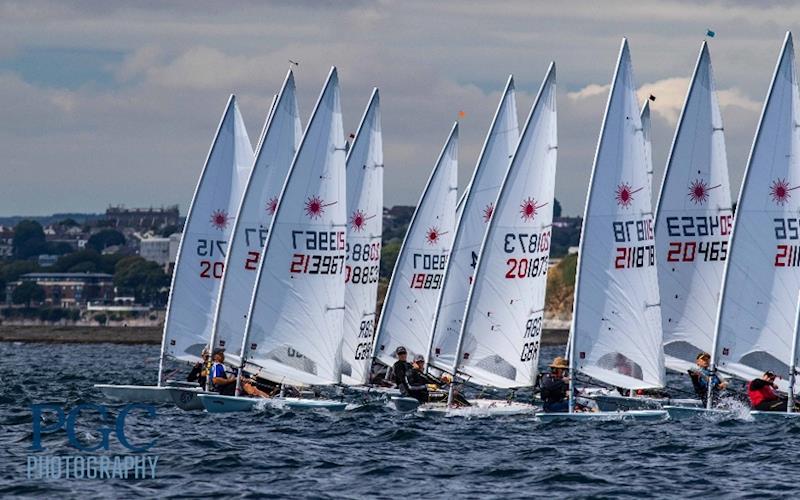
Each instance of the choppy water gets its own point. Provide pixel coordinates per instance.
(374, 452)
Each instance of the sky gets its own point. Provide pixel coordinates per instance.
(108, 103)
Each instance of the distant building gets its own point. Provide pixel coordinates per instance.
(6, 242)
(47, 260)
(70, 289)
(142, 218)
(164, 251)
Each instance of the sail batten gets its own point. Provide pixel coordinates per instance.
(616, 330)
(200, 262)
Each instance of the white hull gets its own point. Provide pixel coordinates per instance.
(479, 408)
(612, 402)
(404, 404)
(638, 415)
(772, 415)
(185, 398)
(135, 393)
(683, 412)
(215, 403)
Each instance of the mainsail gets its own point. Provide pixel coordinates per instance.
(365, 224)
(474, 215)
(616, 331)
(274, 156)
(499, 342)
(414, 288)
(762, 274)
(693, 221)
(201, 255)
(294, 326)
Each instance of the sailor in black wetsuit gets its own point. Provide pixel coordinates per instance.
(400, 371)
(200, 369)
(555, 385)
(418, 380)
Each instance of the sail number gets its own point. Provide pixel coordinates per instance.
(364, 348)
(699, 225)
(532, 267)
(212, 269)
(361, 274)
(533, 331)
(317, 264)
(631, 231)
(689, 251)
(527, 243)
(364, 252)
(428, 262)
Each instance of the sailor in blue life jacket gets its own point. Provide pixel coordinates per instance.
(554, 386)
(702, 376)
(221, 382)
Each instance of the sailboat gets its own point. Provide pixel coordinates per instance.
(762, 271)
(693, 222)
(201, 255)
(277, 146)
(295, 322)
(418, 273)
(364, 230)
(616, 325)
(498, 343)
(473, 215)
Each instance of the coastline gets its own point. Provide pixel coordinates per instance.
(143, 334)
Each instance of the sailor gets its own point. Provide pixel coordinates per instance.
(221, 382)
(400, 370)
(199, 371)
(417, 380)
(701, 376)
(555, 385)
(763, 394)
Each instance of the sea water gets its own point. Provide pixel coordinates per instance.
(371, 451)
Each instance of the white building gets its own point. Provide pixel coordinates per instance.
(161, 250)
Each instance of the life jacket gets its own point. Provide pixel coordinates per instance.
(760, 394)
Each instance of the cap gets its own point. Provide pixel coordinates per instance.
(419, 357)
(401, 350)
(703, 355)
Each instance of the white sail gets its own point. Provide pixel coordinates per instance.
(474, 215)
(616, 322)
(280, 140)
(410, 302)
(693, 221)
(499, 342)
(201, 255)
(365, 225)
(294, 326)
(762, 274)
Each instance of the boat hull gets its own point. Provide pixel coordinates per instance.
(186, 399)
(760, 416)
(404, 404)
(479, 408)
(135, 393)
(611, 402)
(215, 403)
(637, 415)
(685, 412)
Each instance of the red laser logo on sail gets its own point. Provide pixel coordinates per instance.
(315, 207)
(528, 209)
(219, 219)
(624, 194)
(698, 191)
(358, 221)
(272, 205)
(487, 212)
(433, 235)
(780, 191)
